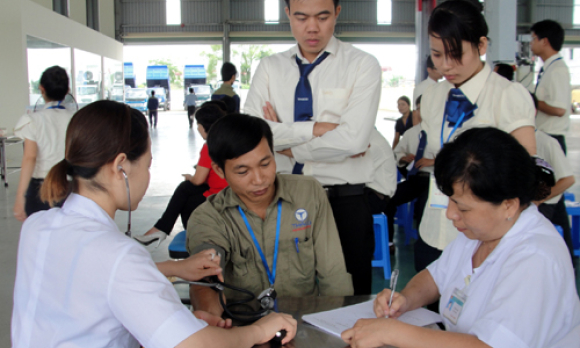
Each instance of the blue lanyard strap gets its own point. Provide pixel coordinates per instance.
(57, 106)
(271, 274)
(457, 125)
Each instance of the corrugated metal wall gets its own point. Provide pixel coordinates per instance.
(198, 16)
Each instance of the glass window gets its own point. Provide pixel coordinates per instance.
(384, 12)
(41, 55)
(113, 83)
(173, 12)
(87, 76)
(272, 11)
(61, 6)
(93, 14)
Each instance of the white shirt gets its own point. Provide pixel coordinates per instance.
(409, 144)
(523, 295)
(549, 149)
(346, 90)
(501, 103)
(554, 89)
(381, 153)
(421, 88)
(47, 128)
(82, 283)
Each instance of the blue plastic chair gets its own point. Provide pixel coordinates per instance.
(569, 196)
(177, 248)
(574, 212)
(404, 217)
(382, 257)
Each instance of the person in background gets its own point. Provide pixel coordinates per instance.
(259, 213)
(44, 134)
(433, 76)
(80, 282)
(195, 189)
(472, 95)
(384, 184)
(553, 86)
(190, 102)
(229, 73)
(504, 70)
(488, 296)
(321, 99)
(152, 106)
(405, 121)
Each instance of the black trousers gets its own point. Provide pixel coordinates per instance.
(190, 112)
(562, 141)
(153, 118)
(33, 202)
(415, 187)
(354, 222)
(558, 215)
(185, 199)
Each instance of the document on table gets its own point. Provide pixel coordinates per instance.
(338, 320)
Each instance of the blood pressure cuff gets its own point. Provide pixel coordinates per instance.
(205, 246)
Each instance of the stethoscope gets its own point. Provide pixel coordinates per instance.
(128, 233)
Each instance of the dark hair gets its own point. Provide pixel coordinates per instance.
(152, 93)
(235, 135)
(335, 3)
(95, 136)
(208, 114)
(429, 64)
(190, 89)
(405, 99)
(418, 100)
(551, 30)
(55, 81)
(493, 164)
(505, 70)
(228, 71)
(454, 21)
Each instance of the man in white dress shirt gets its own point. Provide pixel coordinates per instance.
(553, 86)
(336, 90)
(432, 77)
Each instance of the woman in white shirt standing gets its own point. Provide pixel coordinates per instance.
(472, 95)
(506, 280)
(43, 133)
(80, 281)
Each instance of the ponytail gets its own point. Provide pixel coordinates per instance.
(56, 187)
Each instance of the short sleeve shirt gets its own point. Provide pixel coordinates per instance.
(48, 129)
(549, 149)
(554, 89)
(215, 183)
(80, 282)
(523, 295)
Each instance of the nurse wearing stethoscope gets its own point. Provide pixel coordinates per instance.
(471, 96)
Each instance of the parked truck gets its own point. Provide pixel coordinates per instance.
(129, 75)
(195, 77)
(158, 81)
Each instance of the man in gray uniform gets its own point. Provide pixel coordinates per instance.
(272, 230)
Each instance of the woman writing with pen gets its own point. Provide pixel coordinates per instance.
(506, 280)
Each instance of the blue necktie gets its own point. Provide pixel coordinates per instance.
(420, 152)
(303, 97)
(456, 105)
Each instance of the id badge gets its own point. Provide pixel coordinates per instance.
(454, 306)
(437, 199)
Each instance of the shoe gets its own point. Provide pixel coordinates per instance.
(151, 238)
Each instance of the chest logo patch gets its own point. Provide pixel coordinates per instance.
(301, 215)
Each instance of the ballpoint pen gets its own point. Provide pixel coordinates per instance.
(394, 277)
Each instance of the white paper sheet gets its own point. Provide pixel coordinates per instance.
(338, 320)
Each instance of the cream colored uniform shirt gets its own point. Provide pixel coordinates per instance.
(501, 104)
(381, 153)
(421, 88)
(554, 89)
(47, 128)
(409, 144)
(346, 89)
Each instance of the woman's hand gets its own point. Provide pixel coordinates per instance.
(273, 323)
(187, 177)
(381, 305)
(213, 320)
(203, 264)
(18, 209)
(424, 162)
(367, 333)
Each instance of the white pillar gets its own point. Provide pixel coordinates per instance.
(423, 10)
(501, 17)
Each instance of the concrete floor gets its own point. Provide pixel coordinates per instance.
(175, 151)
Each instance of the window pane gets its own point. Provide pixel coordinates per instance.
(384, 11)
(271, 11)
(173, 12)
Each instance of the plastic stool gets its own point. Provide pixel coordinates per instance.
(382, 257)
(569, 196)
(404, 217)
(574, 211)
(177, 248)
(560, 230)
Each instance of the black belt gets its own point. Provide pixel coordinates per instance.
(345, 190)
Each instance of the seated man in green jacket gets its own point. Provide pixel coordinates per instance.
(271, 230)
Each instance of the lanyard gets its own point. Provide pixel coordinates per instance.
(272, 274)
(544, 71)
(57, 106)
(457, 125)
